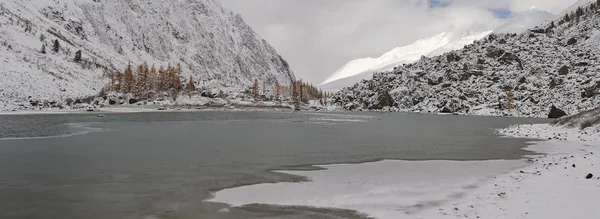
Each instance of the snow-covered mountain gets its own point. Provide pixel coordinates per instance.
(525, 20)
(526, 74)
(214, 45)
(361, 69)
(408, 53)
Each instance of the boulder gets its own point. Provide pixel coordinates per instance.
(563, 70)
(589, 176)
(384, 99)
(556, 113)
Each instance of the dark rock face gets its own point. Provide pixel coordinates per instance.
(556, 113)
(563, 70)
(571, 41)
(132, 101)
(112, 102)
(384, 99)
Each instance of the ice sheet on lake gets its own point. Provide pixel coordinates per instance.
(384, 189)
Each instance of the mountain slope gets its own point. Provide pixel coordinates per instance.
(214, 45)
(503, 74)
(359, 69)
(408, 53)
(352, 73)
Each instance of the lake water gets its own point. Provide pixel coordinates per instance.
(166, 165)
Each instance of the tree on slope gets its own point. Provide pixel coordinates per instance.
(255, 89)
(56, 46)
(77, 56)
(190, 85)
(129, 80)
(277, 90)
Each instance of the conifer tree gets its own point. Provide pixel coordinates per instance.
(162, 79)
(295, 96)
(56, 46)
(176, 78)
(510, 102)
(255, 89)
(141, 79)
(77, 56)
(117, 81)
(152, 78)
(43, 49)
(190, 85)
(277, 90)
(129, 80)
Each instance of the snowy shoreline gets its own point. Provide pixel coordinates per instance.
(137, 109)
(552, 184)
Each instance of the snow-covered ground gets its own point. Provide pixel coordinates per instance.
(550, 185)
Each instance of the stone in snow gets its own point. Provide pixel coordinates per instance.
(556, 113)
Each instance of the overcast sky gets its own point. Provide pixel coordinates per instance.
(317, 37)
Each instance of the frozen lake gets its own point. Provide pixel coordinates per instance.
(167, 165)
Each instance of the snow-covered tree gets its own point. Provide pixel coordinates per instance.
(277, 90)
(77, 56)
(255, 89)
(56, 47)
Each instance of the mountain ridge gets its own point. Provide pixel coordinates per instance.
(213, 45)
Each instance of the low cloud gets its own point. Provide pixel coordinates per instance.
(319, 36)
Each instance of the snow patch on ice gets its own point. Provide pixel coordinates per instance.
(384, 189)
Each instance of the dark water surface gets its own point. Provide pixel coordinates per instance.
(163, 165)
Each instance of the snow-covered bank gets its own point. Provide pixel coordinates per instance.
(550, 185)
(145, 109)
(555, 185)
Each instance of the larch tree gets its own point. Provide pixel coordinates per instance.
(255, 89)
(162, 79)
(510, 99)
(117, 81)
(190, 85)
(176, 78)
(129, 80)
(295, 94)
(277, 90)
(152, 78)
(141, 79)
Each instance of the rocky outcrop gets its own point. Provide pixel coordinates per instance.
(537, 67)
